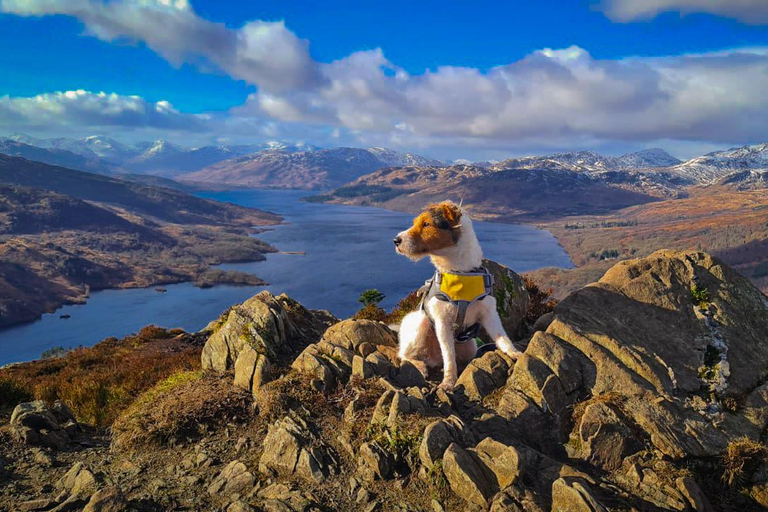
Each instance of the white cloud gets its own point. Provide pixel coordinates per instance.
(550, 98)
(266, 54)
(88, 109)
(754, 12)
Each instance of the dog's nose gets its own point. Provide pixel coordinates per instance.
(398, 240)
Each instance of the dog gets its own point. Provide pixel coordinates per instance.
(427, 338)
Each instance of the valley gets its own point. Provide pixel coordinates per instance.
(65, 233)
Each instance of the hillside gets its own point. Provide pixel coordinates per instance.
(509, 195)
(311, 170)
(725, 221)
(642, 391)
(64, 233)
(60, 157)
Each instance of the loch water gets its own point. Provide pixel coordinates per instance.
(347, 249)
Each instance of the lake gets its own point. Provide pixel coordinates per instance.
(348, 250)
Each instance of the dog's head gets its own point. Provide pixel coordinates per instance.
(436, 228)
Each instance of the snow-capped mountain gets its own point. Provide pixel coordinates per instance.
(712, 167)
(392, 158)
(54, 156)
(647, 159)
(751, 179)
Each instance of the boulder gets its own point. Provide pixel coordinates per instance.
(35, 424)
(504, 461)
(571, 494)
(512, 299)
(233, 480)
(289, 450)
(483, 375)
(79, 481)
(374, 463)
(605, 439)
(468, 476)
(109, 499)
(275, 327)
(655, 331)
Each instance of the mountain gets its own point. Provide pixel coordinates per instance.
(647, 159)
(63, 232)
(512, 195)
(590, 161)
(712, 167)
(644, 390)
(752, 179)
(54, 156)
(316, 169)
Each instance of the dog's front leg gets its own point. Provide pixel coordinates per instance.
(491, 323)
(444, 332)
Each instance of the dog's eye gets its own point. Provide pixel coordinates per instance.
(426, 224)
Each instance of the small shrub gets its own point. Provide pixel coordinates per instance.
(371, 312)
(13, 392)
(740, 460)
(700, 296)
(54, 352)
(540, 302)
(371, 297)
(179, 408)
(407, 304)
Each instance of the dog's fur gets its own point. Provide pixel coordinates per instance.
(444, 232)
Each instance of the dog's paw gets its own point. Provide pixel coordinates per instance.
(446, 386)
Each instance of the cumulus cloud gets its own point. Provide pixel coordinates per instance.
(263, 53)
(552, 97)
(754, 12)
(83, 108)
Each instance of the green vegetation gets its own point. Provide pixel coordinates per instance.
(99, 382)
(606, 254)
(700, 296)
(371, 297)
(54, 352)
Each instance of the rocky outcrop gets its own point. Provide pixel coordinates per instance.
(254, 335)
(512, 298)
(644, 391)
(36, 424)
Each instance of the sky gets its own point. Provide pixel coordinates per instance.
(447, 79)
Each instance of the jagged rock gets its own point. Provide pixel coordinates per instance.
(239, 506)
(643, 334)
(693, 494)
(287, 451)
(34, 424)
(512, 299)
(506, 462)
(518, 499)
(361, 368)
(408, 375)
(605, 438)
(642, 479)
(272, 326)
(467, 475)
(374, 463)
(483, 375)
(543, 322)
(351, 334)
(438, 436)
(234, 480)
(573, 495)
(280, 498)
(109, 499)
(75, 487)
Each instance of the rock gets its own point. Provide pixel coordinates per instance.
(438, 436)
(252, 370)
(467, 476)
(78, 481)
(351, 334)
(693, 493)
(234, 480)
(512, 299)
(272, 326)
(374, 463)
(239, 506)
(573, 495)
(483, 375)
(287, 451)
(361, 368)
(543, 322)
(605, 439)
(38, 504)
(506, 462)
(408, 375)
(109, 499)
(34, 424)
(279, 497)
(380, 364)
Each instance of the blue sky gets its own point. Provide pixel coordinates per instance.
(450, 79)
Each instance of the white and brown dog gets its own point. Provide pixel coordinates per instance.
(444, 232)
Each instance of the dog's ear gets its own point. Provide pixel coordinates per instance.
(451, 212)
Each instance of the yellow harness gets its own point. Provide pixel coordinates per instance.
(462, 289)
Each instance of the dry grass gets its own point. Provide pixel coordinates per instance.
(179, 408)
(541, 301)
(373, 312)
(99, 382)
(13, 392)
(740, 460)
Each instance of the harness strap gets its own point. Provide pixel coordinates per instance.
(431, 288)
